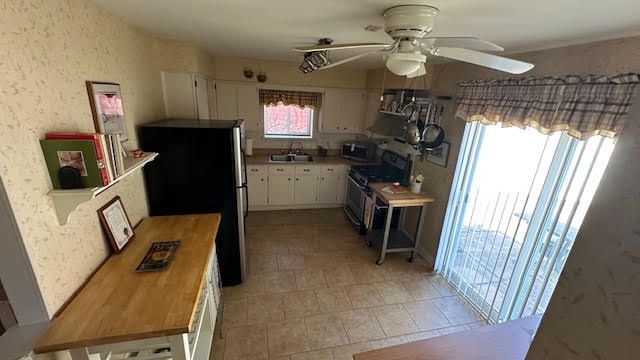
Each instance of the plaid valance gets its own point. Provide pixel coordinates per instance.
(299, 98)
(581, 106)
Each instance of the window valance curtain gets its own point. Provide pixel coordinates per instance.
(299, 98)
(581, 106)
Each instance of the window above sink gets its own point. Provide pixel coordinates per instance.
(288, 121)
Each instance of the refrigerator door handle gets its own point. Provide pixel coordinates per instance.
(245, 206)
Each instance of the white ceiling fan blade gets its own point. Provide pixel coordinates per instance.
(466, 42)
(422, 70)
(340, 62)
(482, 59)
(341, 47)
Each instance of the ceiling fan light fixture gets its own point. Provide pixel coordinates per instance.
(403, 64)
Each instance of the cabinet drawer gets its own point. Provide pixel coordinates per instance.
(333, 169)
(281, 170)
(308, 169)
(256, 170)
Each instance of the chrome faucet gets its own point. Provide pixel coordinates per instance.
(298, 151)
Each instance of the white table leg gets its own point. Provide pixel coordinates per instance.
(179, 347)
(83, 354)
(385, 238)
(416, 242)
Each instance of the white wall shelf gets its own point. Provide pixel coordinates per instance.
(66, 201)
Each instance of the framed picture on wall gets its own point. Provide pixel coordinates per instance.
(107, 108)
(440, 155)
(116, 224)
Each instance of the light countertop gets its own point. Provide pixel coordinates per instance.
(259, 159)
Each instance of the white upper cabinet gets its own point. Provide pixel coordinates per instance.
(238, 101)
(248, 106)
(227, 100)
(371, 107)
(332, 111)
(211, 87)
(202, 96)
(352, 111)
(179, 95)
(342, 111)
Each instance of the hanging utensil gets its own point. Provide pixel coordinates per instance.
(433, 134)
(412, 133)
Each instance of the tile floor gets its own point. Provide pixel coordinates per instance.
(315, 293)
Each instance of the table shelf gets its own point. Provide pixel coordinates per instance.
(398, 240)
(67, 200)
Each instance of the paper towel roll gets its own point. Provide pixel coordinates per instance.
(248, 147)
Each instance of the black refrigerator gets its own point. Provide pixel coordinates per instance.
(201, 169)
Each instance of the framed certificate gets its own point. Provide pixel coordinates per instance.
(116, 224)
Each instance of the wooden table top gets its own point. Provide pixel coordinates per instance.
(506, 341)
(401, 199)
(119, 304)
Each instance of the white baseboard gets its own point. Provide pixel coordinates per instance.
(295, 207)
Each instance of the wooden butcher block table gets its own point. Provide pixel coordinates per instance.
(120, 310)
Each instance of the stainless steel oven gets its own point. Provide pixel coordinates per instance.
(356, 196)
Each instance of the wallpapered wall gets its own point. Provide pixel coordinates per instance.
(595, 307)
(48, 49)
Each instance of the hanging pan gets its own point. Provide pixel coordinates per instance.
(433, 134)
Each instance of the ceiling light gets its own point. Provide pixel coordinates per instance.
(403, 64)
(313, 61)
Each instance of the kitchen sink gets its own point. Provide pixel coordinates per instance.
(302, 158)
(290, 158)
(279, 158)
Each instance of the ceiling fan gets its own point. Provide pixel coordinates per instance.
(408, 26)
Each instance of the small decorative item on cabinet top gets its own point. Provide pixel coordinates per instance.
(107, 109)
(262, 77)
(248, 73)
(116, 224)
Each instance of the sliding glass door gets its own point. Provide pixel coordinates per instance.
(517, 202)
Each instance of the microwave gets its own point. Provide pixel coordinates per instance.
(359, 151)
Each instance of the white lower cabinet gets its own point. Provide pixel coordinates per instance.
(296, 186)
(281, 191)
(258, 184)
(306, 190)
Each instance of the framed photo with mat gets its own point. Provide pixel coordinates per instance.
(107, 108)
(116, 224)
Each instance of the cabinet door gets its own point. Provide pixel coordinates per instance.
(248, 106)
(332, 111)
(258, 190)
(306, 189)
(281, 189)
(328, 188)
(371, 107)
(352, 111)
(211, 87)
(227, 100)
(202, 96)
(179, 96)
(342, 184)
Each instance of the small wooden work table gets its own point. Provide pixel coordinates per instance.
(395, 240)
(156, 315)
